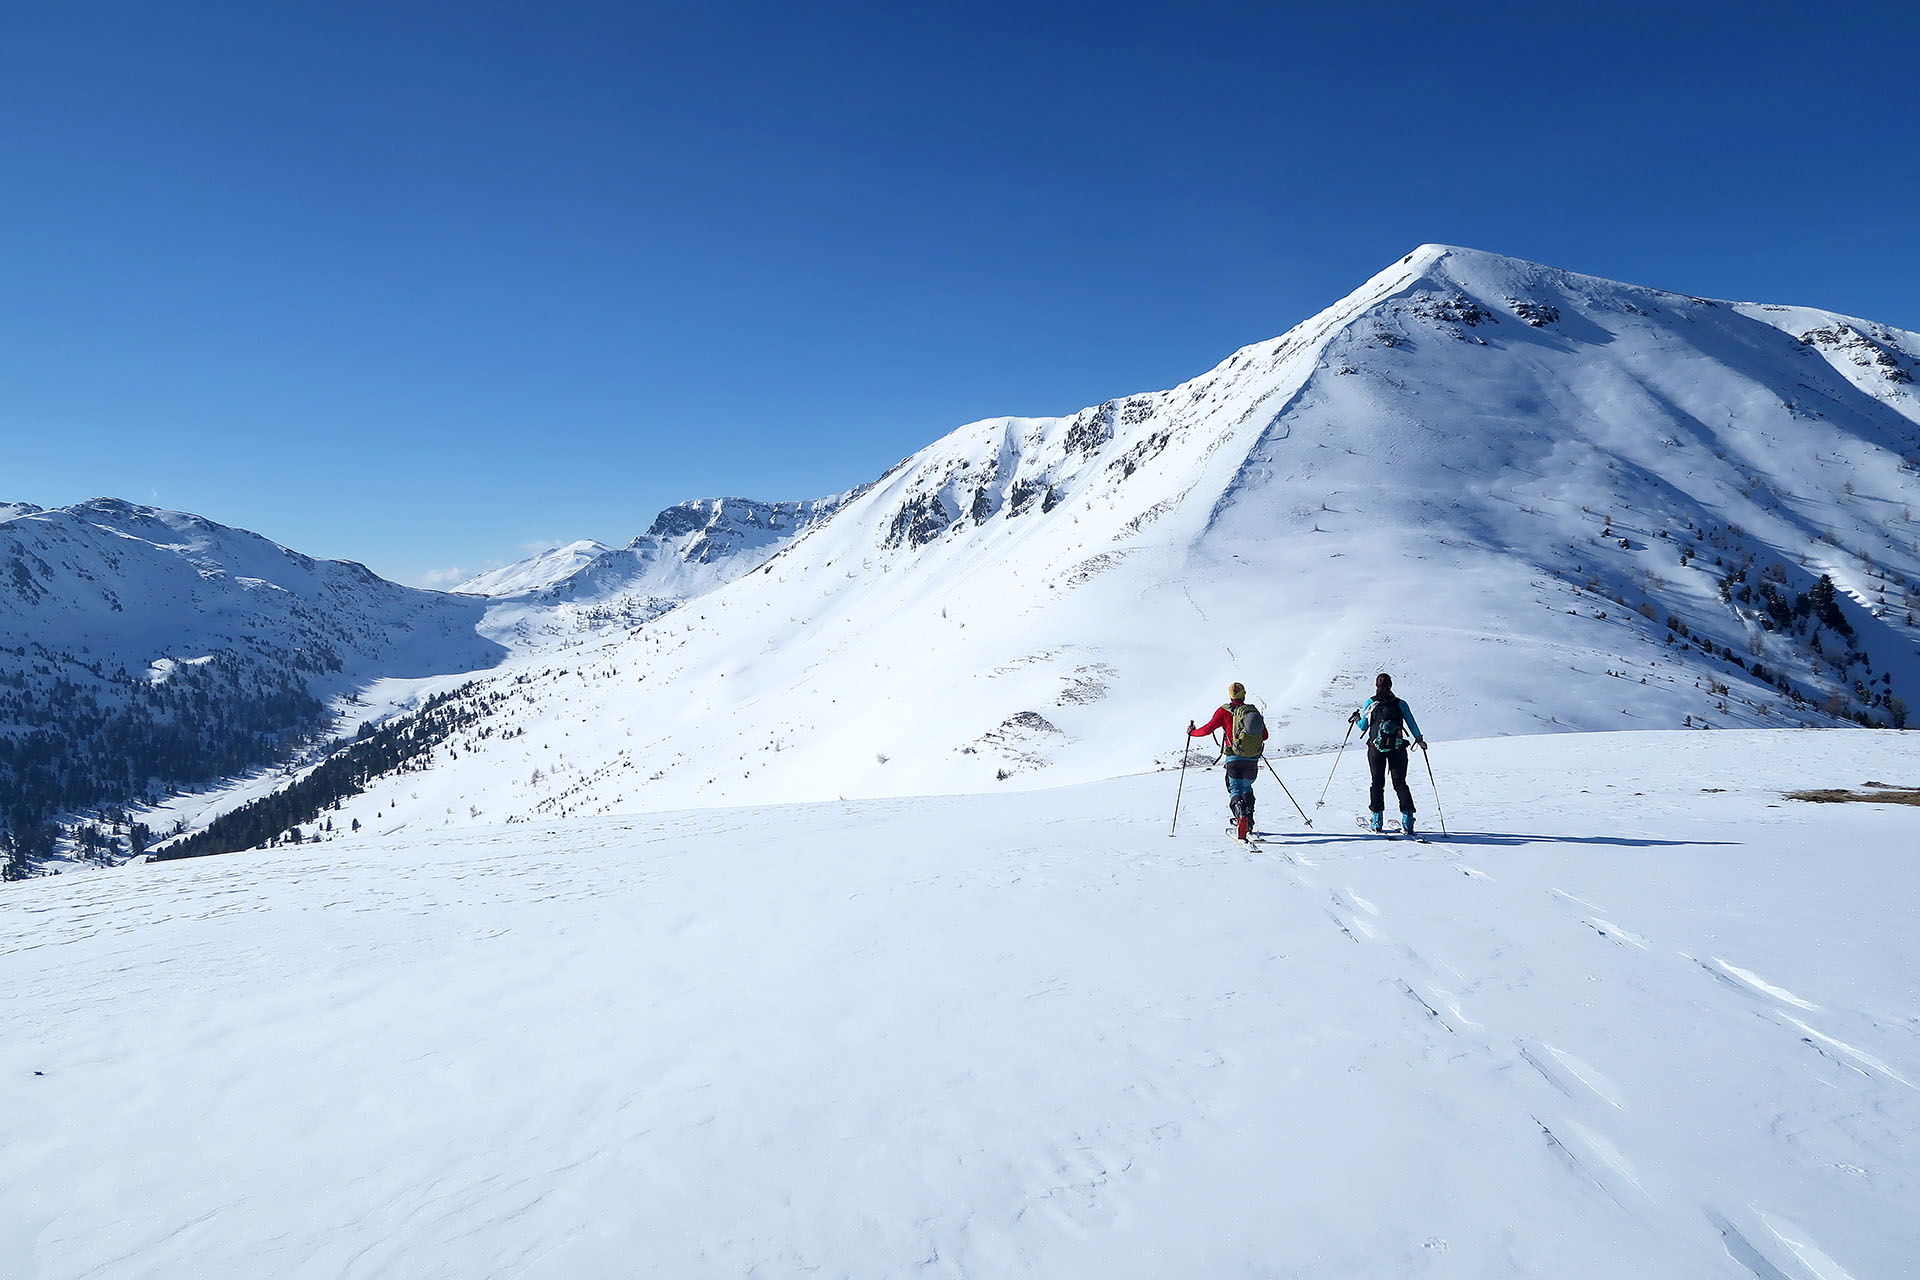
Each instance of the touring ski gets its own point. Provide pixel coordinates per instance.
(1390, 829)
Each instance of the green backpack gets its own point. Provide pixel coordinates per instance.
(1248, 734)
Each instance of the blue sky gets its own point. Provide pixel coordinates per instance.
(427, 285)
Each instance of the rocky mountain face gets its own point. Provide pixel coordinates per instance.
(688, 550)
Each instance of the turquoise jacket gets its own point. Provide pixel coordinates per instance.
(1406, 714)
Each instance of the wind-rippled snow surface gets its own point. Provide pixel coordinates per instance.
(1640, 1015)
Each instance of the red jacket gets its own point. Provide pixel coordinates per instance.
(1222, 719)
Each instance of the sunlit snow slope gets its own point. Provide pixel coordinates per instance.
(1640, 1017)
(536, 572)
(1517, 488)
(125, 584)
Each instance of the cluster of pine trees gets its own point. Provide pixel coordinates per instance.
(396, 747)
(87, 737)
(1805, 616)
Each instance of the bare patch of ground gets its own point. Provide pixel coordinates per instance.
(1875, 793)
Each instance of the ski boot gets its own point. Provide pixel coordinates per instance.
(1373, 823)
(1406, 824)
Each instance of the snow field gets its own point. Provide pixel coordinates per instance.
(1639, 1015)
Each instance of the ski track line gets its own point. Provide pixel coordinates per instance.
(1586, 1153)
(1750, 985)
(1340, 901)
(1810, 1255)
(1753, 987)
(1614, 933)
(1741, 1249)
(1857, 1055)
(1420, 1000)
(1341, 925)
(1759, 984)
(1592, 1158)
(1589, 1156)
(1582, 1172)
(1602, 1087)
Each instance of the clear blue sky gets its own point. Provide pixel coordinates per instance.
(421, 284)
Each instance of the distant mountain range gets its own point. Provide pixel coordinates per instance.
(142, 650)
(1542, 500)
(689, 550)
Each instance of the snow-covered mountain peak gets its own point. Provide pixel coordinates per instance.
(540, 570)
(1543, 500)
(689, 549)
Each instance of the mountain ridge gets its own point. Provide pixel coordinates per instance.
(1544, 500)
(690, 548)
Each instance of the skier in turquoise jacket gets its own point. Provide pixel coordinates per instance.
(1388, 724)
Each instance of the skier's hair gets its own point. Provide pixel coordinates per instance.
(1383, 681)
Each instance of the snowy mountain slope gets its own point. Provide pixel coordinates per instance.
(537, 571)
(1543, 500)
(1623, 1024)
(140, 646)
(689, 549)
(166, 619)
(135, 583)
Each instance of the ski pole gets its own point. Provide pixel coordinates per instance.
(1185, 745)
(1283, 786)
(1318, 804)
(1436, 792)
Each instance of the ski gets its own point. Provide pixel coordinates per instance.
(1391, 829)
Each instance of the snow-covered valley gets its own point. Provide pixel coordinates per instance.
(157, 668)
(1638, 1015)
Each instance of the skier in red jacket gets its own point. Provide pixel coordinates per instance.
(1246, 740)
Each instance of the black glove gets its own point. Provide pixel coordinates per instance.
(1190, 729)
(1420, 743)
(1354, 718)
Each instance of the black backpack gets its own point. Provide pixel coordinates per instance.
(1387, 726)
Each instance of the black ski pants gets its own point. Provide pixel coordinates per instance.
(1378, 764)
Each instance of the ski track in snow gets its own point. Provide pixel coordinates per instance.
(1020, 1035)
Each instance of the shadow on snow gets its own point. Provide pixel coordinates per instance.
(1490, 839)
